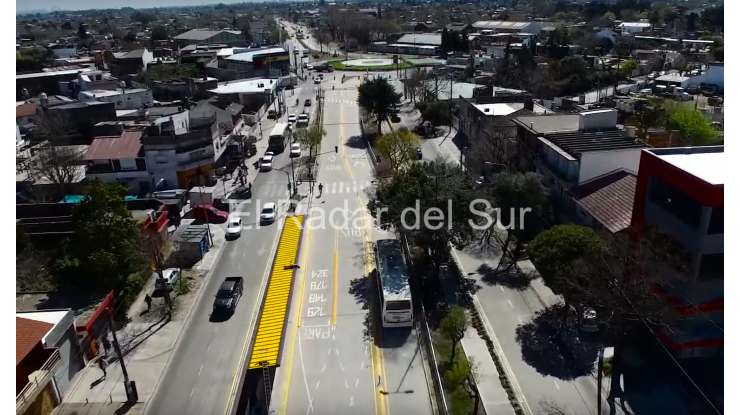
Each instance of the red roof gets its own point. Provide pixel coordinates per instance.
(28, 333)
(609, 199)
(126, 146)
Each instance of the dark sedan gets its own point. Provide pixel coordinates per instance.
(228, 295)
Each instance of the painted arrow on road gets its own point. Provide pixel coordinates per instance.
(359, 164)
(332, 158)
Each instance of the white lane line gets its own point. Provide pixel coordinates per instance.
(351, 401)
(362, 364)
(323, 368)
(512, 305)
(305, 380)
(365, 349)
(341, 367)
(502, 288)
(337, 350)
(329, 352)
(357, 382)
(317, 385)
(191, 393)
(556, 385)
(346, 384)
(200, 370)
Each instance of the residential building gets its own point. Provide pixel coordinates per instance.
(60, 50)
(605, 203)
(459, 28)
(680, 192)
(572, 148)
(268, 62)
(47, 357)
(498, 26)
(119, 159)
(489, 132)
(634, 28)
(181, 150)
(128, 63)
(254, 94)
(80, 119)
(206, 37)
(424, 27)
(122, 98)
(94, 80)
(39, 167)
(47, 82)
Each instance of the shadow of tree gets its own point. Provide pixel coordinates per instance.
(509, 277)
(361, 291)
(356, 141)
(556, 350)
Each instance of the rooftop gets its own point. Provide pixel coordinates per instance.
(421, 39)
(99, 93)
(126, 146)
(608, 199)
(705, 163)
(197, 34)
(249, 56)
(550, 123)
(52, 72)
(576, 143)
(500, 109)
(28, 334)
(246, 86)
(499, 24)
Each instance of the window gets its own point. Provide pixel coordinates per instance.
(712, 267)
(128, 164)
(717, 221)
(675, 202)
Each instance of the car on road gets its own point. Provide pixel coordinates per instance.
(169, 278)
(208, 213)
(234, 228)
(295, 150)
(317, 81)
(307, 103)
(228, 295)
(266, 163)
(241, 192)
(292, 118)
(269, 213)
(309, 67)
(650, 77)
(271, 115)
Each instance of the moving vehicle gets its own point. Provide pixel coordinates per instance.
(393, 284)
(295, 150)
(269, 213)
(209, 213)
(302, 120)
(170, 277)
(307, 103)
(292, 118)
(317, 81)
(241, 192)
(234, 228)
(228, 295)
(266, 163)
(279, 137)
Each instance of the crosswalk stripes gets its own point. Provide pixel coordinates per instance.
(340, 101)
(277, 190)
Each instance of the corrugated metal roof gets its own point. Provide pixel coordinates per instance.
(127, 145)
(249, 56)
(500, 24)
(434, 39)
(196, 34)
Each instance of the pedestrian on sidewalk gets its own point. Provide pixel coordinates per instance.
(102, 365)
(148, 301)
(106, 345)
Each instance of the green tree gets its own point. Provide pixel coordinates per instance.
(567, 258)
(436, 113)
(160, 33)
(82, 31)
(453, 326)
(512, 193)
(668, 14)
(104, 250)
(379, 98)
(693, 125)
(399, 147)
(310, 138)
(628, 67)
(609, 16)
(647, 115)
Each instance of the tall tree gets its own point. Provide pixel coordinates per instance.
(399, 147)
(379, 98)
(693, 126)
(453, 326)
(647, 115)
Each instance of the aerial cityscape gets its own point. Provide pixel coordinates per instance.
(444, 208)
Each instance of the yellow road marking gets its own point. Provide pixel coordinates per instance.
(266, 348)
(376, 354)
(257, 304)
(289, 365)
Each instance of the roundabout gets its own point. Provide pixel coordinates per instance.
(368, 62)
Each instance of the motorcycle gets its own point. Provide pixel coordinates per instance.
(297, 101)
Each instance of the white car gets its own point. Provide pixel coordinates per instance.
(268, 214)
(266, 164)
(295, 150)
(234, 228)
(292, 118)
(317, 81)
(269, 153)
(309, 67)
(170, 277)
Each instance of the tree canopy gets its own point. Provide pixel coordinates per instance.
(379, 98)
(399, 147)
(693, 126)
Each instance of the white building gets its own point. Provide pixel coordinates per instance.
(508, 27)
(122, 98)
(633, 28)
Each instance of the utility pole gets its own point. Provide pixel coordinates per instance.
(132, 394)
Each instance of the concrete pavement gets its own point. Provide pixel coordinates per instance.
(332, 363)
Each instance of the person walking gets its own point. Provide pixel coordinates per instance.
(102, 365)
(321, 189)
(106, 345)
(148, 300)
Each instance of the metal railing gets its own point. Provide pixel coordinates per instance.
(38, 382)
(424, 333)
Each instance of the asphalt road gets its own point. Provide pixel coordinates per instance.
(333, 365)
(507, 309)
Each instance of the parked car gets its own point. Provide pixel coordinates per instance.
(266, 163)
(269, 213)
(241, 192)
(307, 103)
(295, 150)
(228, 295)
(209, 213)
(292, 118)
(234, 228)
(271, 115)
(693, 89)
(170, 277)
(317, 81)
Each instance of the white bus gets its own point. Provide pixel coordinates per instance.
(393, 285)
(279, 137)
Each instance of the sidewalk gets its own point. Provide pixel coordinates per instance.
(147, 343)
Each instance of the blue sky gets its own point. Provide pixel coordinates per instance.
(89, 4)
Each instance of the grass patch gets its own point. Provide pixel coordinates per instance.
(453, 375)
(339, 66)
